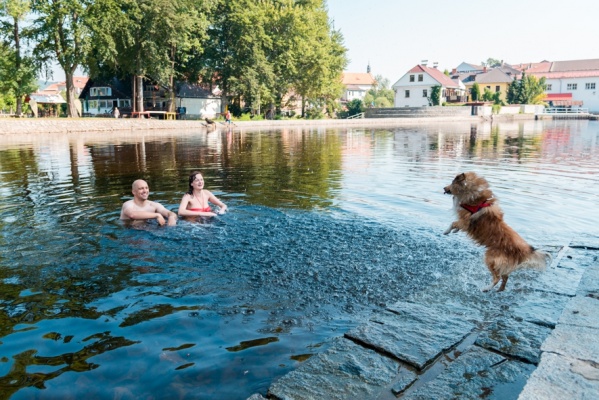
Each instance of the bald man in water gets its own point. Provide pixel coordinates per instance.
(141, 208)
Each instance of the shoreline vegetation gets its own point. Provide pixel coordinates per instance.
(81, 125)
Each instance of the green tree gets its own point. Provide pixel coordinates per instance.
(526, 90)
(475, 93)
(355, 107)
(487, 95)
(492, 63)
(62, 36)
(435, 97)
(156, 40)
(319, 58)
(17, 69)
(380, 94)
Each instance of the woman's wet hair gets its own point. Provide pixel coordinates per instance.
(192, 176)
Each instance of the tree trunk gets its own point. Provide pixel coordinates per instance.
(19, 96)
(72, 110)
(139, 96)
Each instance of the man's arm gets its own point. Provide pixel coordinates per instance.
(129, 211)
(171, 216)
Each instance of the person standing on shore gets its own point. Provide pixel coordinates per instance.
(228, 117)
(116, 112)
(140, 208)
(195, 202)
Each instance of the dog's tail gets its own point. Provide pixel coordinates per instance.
(537, 259)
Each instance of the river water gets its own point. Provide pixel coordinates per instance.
(325, 226)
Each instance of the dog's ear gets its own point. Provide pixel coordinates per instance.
(460, 177)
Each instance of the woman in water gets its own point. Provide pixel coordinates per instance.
(195, 202)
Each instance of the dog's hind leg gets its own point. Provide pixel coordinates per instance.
(491, 266)
(503, 283)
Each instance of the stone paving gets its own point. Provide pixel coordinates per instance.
(545, 347)
(85, 125)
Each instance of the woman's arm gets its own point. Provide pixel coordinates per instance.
(214, 200)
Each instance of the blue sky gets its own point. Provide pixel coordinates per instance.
(395, 35)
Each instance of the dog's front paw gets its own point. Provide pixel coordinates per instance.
(451, 229)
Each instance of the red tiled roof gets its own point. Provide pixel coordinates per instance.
(357, 78)
(437, 75)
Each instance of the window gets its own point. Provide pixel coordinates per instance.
(548, 86)
(407, 94)
(572, 86)
(100, 91)
(93, 104)
(411, 78)
(497, 89)
(590, 86)
(125, 103)
(420, 77)
(103, 104)
(424, 93)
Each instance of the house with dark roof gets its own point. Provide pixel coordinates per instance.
(415, 87)
(495, 80)
(99, 97)
(192, 101)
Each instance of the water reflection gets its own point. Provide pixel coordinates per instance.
(325, 225)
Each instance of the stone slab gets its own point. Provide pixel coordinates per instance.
(403, 380)
(589, 284)
(541, 308)
(560, 377)
(476, 374)
(563, 279)
(413, 333)
(581, 311)
(574, 341)
(344, 371)
(515, 338)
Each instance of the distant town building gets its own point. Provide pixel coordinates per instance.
(415, 87)
(357, 84)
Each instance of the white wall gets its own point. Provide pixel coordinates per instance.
(589, 97)
(416, 99)
(202, 108)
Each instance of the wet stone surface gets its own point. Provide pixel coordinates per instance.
(562, 279)
(589, 286)
(581, 311)
(345, 371)
(478, 373)
(573, 341)
(541, 308)
(412, 333)
(518, 339)
(560, 377)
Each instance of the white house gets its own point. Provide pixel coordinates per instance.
(575, 82)
(357, 84)
(414, 88)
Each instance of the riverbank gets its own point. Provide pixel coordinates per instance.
(64, 125)
(540, 345)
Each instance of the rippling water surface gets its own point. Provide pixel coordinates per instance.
(325, 226)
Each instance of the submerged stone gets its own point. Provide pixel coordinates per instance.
(345, 371)
(412, 333)
(562, 279)
(542, 308)
(589, 285)
(518, 339)
(477, 373)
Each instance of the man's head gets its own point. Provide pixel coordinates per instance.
(140, 190)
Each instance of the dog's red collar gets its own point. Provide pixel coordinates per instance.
(474, 209)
